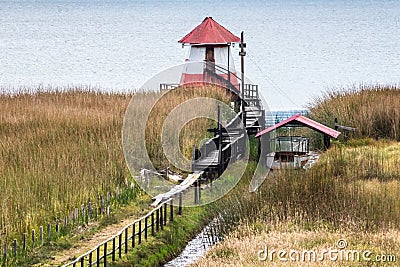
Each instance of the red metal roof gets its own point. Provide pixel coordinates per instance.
(299, 119)
(209, 32)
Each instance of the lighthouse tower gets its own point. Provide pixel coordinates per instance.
(210, 58)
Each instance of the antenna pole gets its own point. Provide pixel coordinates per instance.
(242, 54)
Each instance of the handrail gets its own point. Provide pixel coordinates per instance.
(119, 233)
(208, 63)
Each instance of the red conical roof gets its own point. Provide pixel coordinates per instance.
(209, 32)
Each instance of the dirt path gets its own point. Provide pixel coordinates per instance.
(84, 245)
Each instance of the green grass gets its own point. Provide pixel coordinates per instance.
(166, 244)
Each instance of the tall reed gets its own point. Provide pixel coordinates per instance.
(61, 147)
(373, 110)
(349, 188)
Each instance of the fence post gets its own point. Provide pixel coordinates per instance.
(161, 217)
(113, 249)
(195, 192)
(48, 231)
(180, 204)
(140, 232)
(105, 255)
(152, 223)
(82, 261)
(41, 235)
(90, 258)
(165, 213)
(15, 247)
(98, 256)
(57, 227)
(126, 240)
(171, 206)
(145, 227)
(120, 245)
(33, 237)
(199, 194)
(133, 234)
(24, 241)
(157, 219)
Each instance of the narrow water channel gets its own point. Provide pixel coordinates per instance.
(196, 248)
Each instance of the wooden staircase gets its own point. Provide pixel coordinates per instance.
(229, 142)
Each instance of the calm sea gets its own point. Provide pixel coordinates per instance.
(296, 49)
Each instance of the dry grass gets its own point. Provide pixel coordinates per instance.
(194, 131)
(59, 148)
(351, 190)
(241, 247)
(352, 193)
(373, 110)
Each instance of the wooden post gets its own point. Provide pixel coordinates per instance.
(193, 157)
(152, 223)
(242, 54)
(48, 231)
(126, 240)
(195, 193)
(105, 254)
(171, 206)
(219, 143)
(120, 245)
(133, 234)
(161, 217)
(327, 141)
(57, 227)
(24, 241)
(157, 219)
(113, 250)
(145, 227)
(229, 72)
(90, 258)
(165, 213)
(140, 232)
(41, 235)
(199, 190)
(15, 247)
(180, 204)
(98, 256)
(33, 237)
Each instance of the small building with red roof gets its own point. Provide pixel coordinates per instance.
(288, 148)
